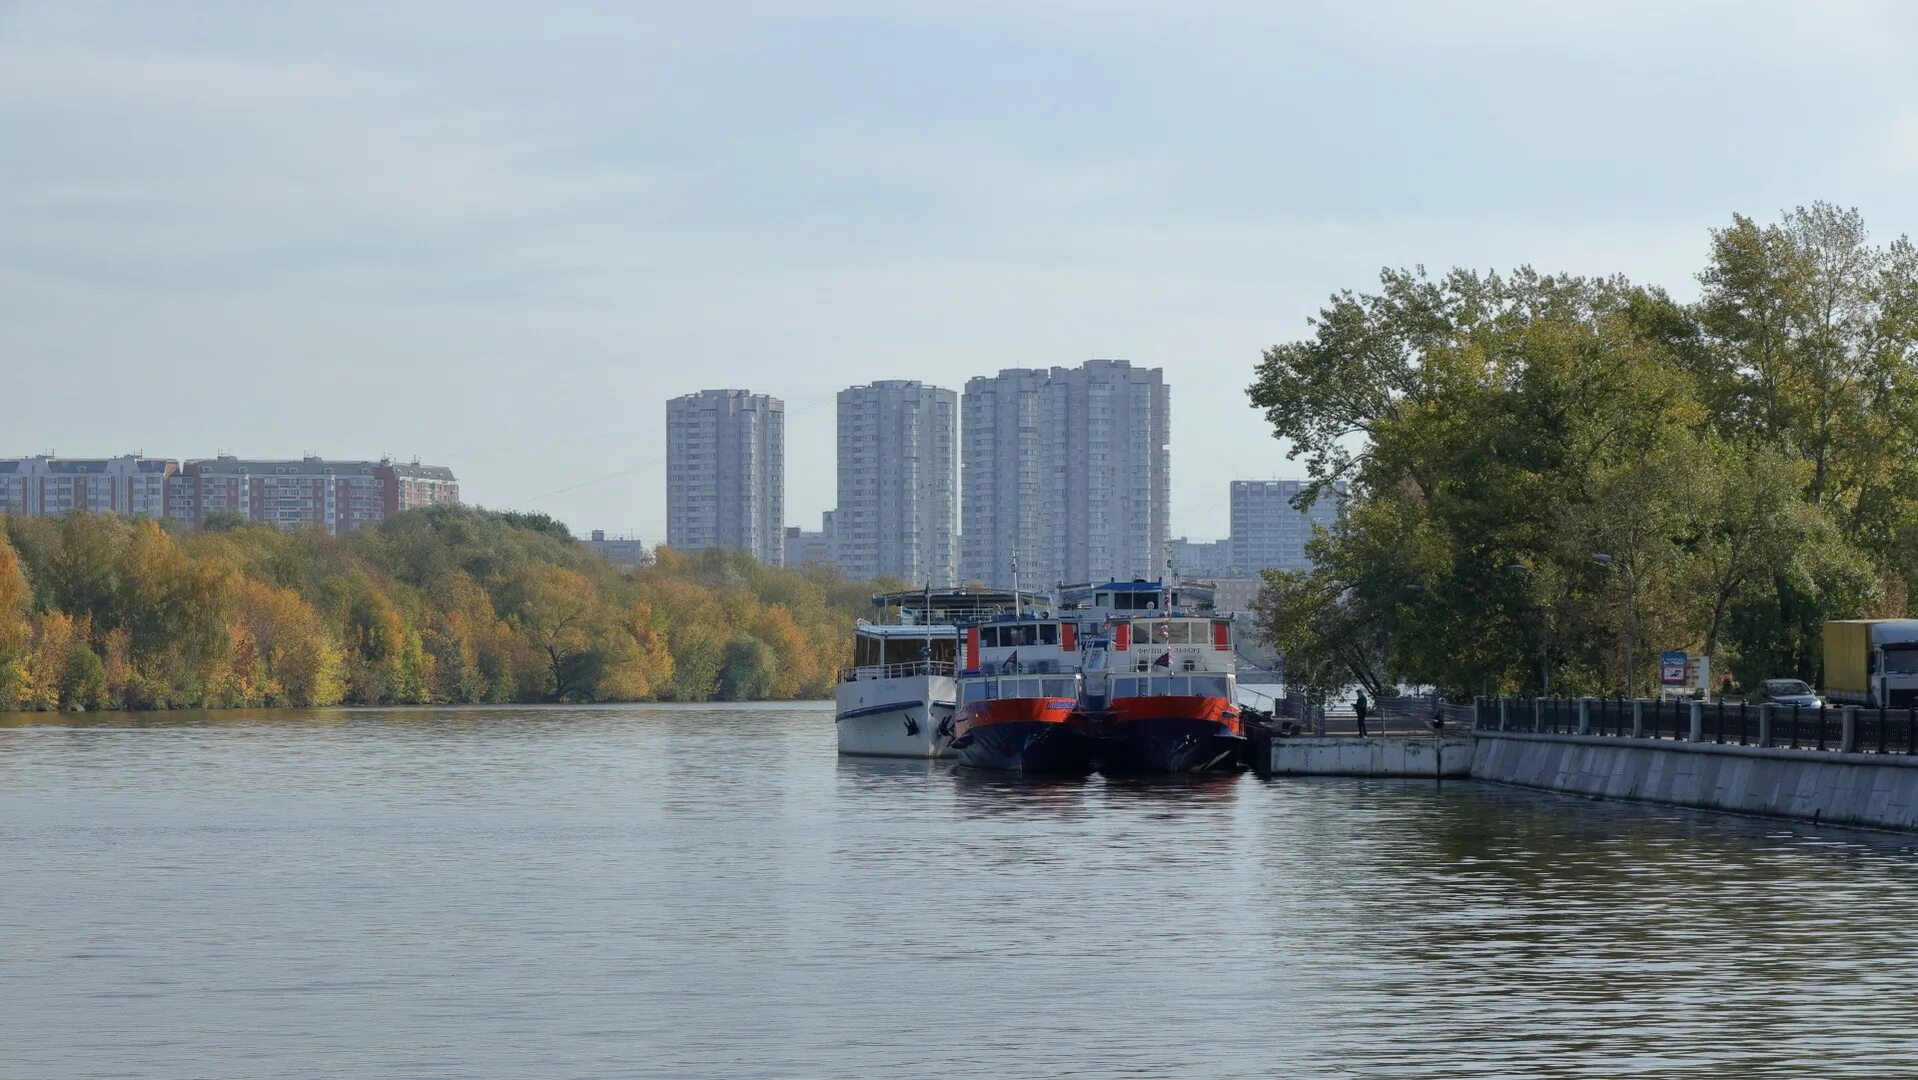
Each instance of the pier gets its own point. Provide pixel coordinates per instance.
(1845, 766)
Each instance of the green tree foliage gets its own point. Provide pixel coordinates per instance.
(1746, 460)
(447, 604)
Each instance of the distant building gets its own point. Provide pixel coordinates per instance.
(1206, 560)
(44, 485)
(810, 548)
(726, 473)
(1069, 469)
(618, 550)
(308, 492)
(898, 482)
(1235, 594)
(1002, 453)
(1268, 532)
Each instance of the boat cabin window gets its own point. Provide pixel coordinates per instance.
(1171, 631)
(874, 651)
(1062, 688)
(1013, 635)
(1172, 686)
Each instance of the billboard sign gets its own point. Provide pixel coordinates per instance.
(1672, 668)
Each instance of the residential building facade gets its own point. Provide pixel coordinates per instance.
(44, 485)
(804, 548)
(1205, 560)
(1073, 474)
(726, 473)
(1269, 532)
(898, 482)
(303, 493)
(1001, 457)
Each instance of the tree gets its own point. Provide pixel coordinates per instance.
(563, 617)
(747, 672)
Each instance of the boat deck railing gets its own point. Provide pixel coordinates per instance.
(866, 672)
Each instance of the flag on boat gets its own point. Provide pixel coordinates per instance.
(1011, 662)
(1164, 661)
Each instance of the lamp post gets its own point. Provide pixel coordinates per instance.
(1544, 654)
(1631, 597)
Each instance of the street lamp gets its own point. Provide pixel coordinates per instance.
(1631, 596)
(1544, 655)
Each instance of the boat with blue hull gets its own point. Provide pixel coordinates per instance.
(1160, 693)
(1019, 697)
(1022, 723)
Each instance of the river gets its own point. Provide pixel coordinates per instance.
(712, 892)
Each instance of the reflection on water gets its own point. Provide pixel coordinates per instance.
(711, 891)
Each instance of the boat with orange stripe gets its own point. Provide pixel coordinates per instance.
(1019, 698)
(1160, 683)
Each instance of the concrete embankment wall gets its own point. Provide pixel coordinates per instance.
(1853, 789)
(1307, 755)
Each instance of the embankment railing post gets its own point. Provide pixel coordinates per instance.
(1764, 724)
(1638, 719)
(1584, 716)
(1848, 730)
(1697, 733)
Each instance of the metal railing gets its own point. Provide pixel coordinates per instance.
(905, 670)
(1877, 730)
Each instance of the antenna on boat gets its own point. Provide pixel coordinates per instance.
(1018, 603)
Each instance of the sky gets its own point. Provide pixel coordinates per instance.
(498, 236)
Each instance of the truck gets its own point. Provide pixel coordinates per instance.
(1872, 662)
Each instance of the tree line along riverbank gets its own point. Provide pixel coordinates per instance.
(443, 605)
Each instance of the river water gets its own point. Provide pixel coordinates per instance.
(659, 891)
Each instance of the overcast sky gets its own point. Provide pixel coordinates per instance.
(499, 236)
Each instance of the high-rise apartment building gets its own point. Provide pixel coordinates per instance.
(45, 485)
(1070, 470)
(307, 492)
(1111, 478)
(1000, 463)
(726, 473)
(898, 482)
(1268, 532)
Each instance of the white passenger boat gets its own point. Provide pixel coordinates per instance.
(898, 697)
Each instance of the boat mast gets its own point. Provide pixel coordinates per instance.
(1018, 603)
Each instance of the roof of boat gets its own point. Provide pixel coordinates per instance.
(959, 597)
(935, 630)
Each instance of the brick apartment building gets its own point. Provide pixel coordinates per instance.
(309, 492)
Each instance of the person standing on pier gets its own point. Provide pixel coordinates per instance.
(1358, 706)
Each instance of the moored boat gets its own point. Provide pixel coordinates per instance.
(1019, 697)
(899, 697)
(1160, 687)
